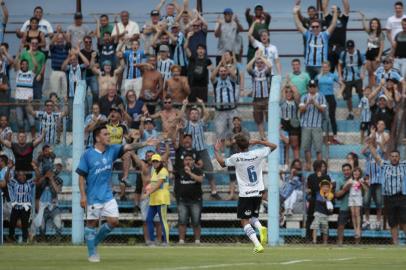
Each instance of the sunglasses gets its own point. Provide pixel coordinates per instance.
(315, 26)
(387, 62)
(167, 102)
(88, 41)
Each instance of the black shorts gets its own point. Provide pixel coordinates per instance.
(248, 207)
(138, 184)
(371, 54)
(365, 126)
(395, 209)
(343, 217)
(347, 94)
(292, 131)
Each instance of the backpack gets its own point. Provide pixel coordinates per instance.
(358, 58)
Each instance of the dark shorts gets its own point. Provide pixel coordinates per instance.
(371, 54)
(260, 110)
(189, 209)
(292, 131)
(344, 217)
(374, 192)
(138, 184)
(248, 207)
(395, 209)
(365, 126)
(357, 84)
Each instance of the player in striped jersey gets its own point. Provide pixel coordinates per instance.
(261, 85)
(311, 108)
(316, 41)
(164, 63)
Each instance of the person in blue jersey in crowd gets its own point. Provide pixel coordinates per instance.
(95, 171)
(316, 41)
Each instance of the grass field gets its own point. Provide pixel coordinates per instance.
(204, 257)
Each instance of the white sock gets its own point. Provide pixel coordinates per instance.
(255, 222)
(250, 232)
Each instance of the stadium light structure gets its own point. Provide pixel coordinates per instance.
(274, 120)
(78, 135)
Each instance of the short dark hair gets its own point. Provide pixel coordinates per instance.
(395, 151)
(317, 165)
(403, 20)
(296, 60)
(4, 158)
(104, 16)
(87, 37)
(200, 45)
(97, 131)
(107, 32)
(5, 44)
(346, 165)
(188, 154)
(45, 147)
(38, 7)
(34, 19)
(187, 135)
(48, 101)
(399, 3)
(311, 7)
(242, 141)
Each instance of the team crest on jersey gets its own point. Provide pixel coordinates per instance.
(104, 161)
(247, 212)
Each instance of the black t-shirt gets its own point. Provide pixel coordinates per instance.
(180, 154)
(386, 115)
(339, 35)
(198, 73)
(107, 52)
(23, 156)
(313, 183)
(105, 104)
(186, 188)
(88, 55)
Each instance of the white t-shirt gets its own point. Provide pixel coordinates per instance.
(395, 25)
(248, 168)
(132, 28)
(270, 52)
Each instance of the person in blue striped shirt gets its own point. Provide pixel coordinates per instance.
(351, 70)
(316, 41)
(95, 172)
(311, 109)
(387, 71)
(134, 59)
(365, 112)
(393, 173)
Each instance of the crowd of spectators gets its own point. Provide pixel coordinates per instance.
(152, 82)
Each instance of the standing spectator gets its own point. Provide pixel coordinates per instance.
(36, 63)
(261, 75)
(342, 194)
(48, 119)
(355, 201)
(326, 81)
(351, 70)
(92, 121)
(8, 60)
(289, 117)
(316, 40)
(102, 26)
(227, 31)
(375, 46)
(399, 49)
(59, 52)
(194, 125)
(91, 79)
(134, 58)
(4, 189)
(313, 188)
(43, 25)
(189, 197)
(198, 34)
(184, 146)
(162, 37)
(110, 99)
(178, 40)
(4, 20)
(311, 109)
(388, 72)
(292, 191)
(152, 85)
(75, 71)
(225, 97)
(393, 172)
(171, 10)
(164, 63)
(148, 32)
(107, 49)
(263, 20)
(198, 72)
(336, 43)
(299, 79)
(265, 48)
(394, 22)
(77, 31)
(4, 90)
(147, 131)
(232, 145)
(23, 92)
(382, 111)
(135, 108)
(20, 191)
(177, 87)
(5, 134)
(33, 32)
(127, 30)
(365, 115)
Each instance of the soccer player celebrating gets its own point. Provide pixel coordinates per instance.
(95, 170)
(248, 167)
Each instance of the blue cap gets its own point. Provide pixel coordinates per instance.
(228, 10)
(106, 63)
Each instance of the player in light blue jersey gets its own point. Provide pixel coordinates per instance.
(95, 171)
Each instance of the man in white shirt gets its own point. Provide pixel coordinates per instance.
(394, 23)
(128, 31)
(248, 168)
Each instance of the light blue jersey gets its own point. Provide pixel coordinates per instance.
(326, 83)
(97, 167)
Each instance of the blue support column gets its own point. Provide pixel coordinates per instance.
(273, 162)
(78, 135)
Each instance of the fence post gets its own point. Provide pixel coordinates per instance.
(273, 162)
(78, 147)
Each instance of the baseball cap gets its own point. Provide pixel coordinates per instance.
(228, 10)
(312, 83)
(164, 48)
(106, 63)
(78, 15)
(155, 12)
(350, 43)
(384, 97)
(148, 119)
(115, 108)
(258, 6)
(156, 157)
(58, 161)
